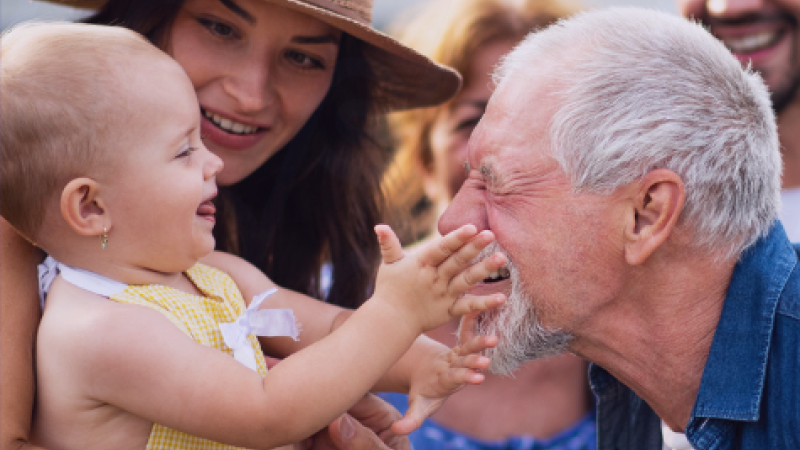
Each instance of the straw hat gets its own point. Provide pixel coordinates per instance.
(406, 79)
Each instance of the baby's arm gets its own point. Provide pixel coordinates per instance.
(415, 293)
(319, 319)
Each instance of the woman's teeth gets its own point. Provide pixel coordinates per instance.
(229, 125)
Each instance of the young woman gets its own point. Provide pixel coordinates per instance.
(547, 405)
(289, 91)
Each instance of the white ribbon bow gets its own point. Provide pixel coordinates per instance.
(265, 322)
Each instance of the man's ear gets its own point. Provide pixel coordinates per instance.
(657, 205)
(83, 209)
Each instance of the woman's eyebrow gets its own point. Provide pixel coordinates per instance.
(322, 39)
(236, 9)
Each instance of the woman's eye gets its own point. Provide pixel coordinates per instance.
(468, 124)
(218, 28)
(303, 60)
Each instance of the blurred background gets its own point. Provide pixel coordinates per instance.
(14, 11)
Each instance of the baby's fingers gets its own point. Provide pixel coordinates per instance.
(444, 247)
(470, 351)
(466, 329)
(472, 303)
(463, 258)
(476, 273)
(417, 412)
(391, 250)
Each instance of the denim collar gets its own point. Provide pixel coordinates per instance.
(729, 390)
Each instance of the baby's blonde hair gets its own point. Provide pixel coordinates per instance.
(59, 83)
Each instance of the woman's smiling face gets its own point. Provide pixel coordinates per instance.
(259, 69)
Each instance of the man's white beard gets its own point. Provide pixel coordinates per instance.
(521, 337)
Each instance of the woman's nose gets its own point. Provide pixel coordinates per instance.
(250, 86)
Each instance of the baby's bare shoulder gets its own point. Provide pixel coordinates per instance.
(77, 342)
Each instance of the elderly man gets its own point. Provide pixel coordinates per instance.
(630, 170)
(766, 35)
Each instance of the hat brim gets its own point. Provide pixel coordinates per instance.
(405, 78)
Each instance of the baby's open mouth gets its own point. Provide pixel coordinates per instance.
(206, 208)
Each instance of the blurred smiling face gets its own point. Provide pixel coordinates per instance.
(763, 33)
(452, 128)
(259, 69)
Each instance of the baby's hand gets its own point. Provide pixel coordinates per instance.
(430, 283)
(439, 378)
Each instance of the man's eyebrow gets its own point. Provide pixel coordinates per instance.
(238, 10)
(488, 173)
(486, 170)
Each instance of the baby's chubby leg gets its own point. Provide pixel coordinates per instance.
(431, 282)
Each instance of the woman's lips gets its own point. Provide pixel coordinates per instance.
(227, 140)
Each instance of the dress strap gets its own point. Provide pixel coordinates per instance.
(90, 281)
(253, 321)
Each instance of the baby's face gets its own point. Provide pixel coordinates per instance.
(161, 189)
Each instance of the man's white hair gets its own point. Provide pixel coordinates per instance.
(639, 90)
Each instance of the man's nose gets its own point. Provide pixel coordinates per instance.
(465, 208)
(725, 9)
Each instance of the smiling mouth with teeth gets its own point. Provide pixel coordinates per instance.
(501, 274)
(229, 125)
(753, 43)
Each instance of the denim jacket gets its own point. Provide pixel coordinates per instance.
(749, 397)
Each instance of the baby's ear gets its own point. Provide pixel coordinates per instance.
(83, 208)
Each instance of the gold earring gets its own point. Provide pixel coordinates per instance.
(104, 238)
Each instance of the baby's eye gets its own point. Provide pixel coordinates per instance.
(218, 29)
(303, 61)
(186, 152)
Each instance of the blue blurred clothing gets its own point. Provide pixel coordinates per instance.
(749, 397)
(432, 436)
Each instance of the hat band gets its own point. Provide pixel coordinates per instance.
(358, 10)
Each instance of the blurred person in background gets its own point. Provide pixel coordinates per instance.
(765, 34)
(547, 404)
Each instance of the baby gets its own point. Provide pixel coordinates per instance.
(143, 346)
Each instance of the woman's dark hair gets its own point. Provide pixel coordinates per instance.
(317, 199)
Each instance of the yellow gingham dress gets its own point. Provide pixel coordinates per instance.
(199, 318)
